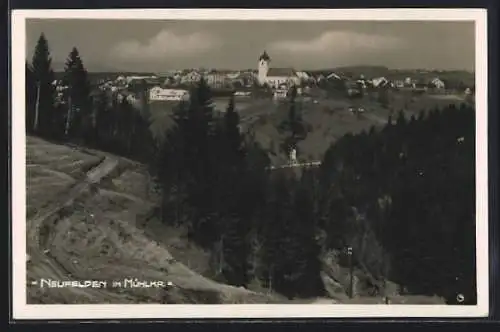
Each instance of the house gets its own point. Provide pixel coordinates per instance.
(159, 94)
(333, 76)
(136, 83)
(279, 76)
(275, 77)
(216, 80)
(191, 77)
(303, 76)
(380, 82)
(128, 96)
(147, 79)
(280, 93)
(362, 83)
(399, 84)
(437, 83)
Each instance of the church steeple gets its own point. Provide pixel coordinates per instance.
(264, 56)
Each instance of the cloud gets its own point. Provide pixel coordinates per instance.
(337, 42)
(165, 44)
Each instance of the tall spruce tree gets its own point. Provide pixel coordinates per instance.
(202, 163)
(278, 237)
(44, 77)
(304, 250)
(236, 225)
(190, 150)
(79, 116)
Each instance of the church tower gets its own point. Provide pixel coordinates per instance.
(264, 61)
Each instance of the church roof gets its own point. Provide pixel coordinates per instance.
(281, 72)
(264, 56)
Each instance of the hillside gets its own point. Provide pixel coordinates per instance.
(80, 231)
(330, 118)
(97, 223)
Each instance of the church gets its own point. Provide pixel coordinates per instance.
(275, 77)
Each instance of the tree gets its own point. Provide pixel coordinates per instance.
(102, 132)
(189, 155)
(79, 118)
(43, 77)
(276, 235)
(235, 224)
(303, 250)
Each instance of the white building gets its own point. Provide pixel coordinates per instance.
(333, 76)
(130, 79)
(191, 77)
(438, 83)
(380, 82)
(303, 76)
(275, 77)
(159, 94)
(216, 79)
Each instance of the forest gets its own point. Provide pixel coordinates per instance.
(401, 197)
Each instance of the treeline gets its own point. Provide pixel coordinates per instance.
(403, 197)
(71, 112)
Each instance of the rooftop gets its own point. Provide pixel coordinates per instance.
(281, 72)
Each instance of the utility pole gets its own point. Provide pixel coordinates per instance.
(349, 255)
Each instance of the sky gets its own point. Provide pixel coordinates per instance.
(137, 45)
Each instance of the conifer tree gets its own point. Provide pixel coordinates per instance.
(102, 125)
(277, 234)
(187, 163)
(44, 77)
(79, 117)
(300, 248)
(235, 226)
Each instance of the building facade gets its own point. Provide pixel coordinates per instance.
(160, 94)
(275, 77)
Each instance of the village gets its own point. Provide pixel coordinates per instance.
(263, 81)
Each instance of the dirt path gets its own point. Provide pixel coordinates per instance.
(34, 224)
(52, 255)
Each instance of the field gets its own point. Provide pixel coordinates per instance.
(330, 118)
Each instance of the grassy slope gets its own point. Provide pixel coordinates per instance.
(95, 238)
(330, 119)
(107, 235)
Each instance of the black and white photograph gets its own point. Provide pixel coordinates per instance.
(246, 164)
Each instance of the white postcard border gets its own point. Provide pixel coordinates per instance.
(21, 310)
